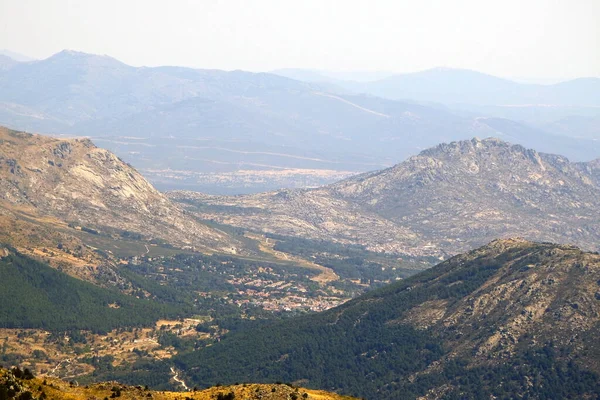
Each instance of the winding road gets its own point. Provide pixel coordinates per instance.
(180, 381)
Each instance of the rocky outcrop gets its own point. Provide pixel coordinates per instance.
(90, 187)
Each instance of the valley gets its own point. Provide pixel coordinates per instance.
(107, 299)
(209, 295)
(242, 181)
(267, 245)
(96, 295)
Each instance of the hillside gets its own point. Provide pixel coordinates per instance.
(480, 190)
(91, 189)
(33, 295)
(445, 200)
(125, 328)
(16, 383)
(304, 213)
(510, 319)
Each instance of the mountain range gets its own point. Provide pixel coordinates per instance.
(179, 124)
(569, 108)
(456, 86)
(474, 92)
(445, 200)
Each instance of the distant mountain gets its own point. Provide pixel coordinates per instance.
(458, 86)
(91, 189)
(188, 121)
(475, 94)
(358, 76)
(304, 75)
(16, 56)
(333, 77)
(447, 199)
(539, 116)
(512, 319)
(99, 96)
(6, 62)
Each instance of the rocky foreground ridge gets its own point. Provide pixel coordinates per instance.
(18, 384)
(447, 199)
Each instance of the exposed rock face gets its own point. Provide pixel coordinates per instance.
(445, 200)
(82, 184)
(534, 294)
(466, 193)
(311, 214)
(541, 295)
(543, 292)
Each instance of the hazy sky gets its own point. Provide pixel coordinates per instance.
(510, 38)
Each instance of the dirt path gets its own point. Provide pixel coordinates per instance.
(180, 381)
(267, 246)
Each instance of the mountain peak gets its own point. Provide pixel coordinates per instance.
(74, 56)
(510, 242)
(445, 76)
(473, 145)
(473, 191)
(493, 153)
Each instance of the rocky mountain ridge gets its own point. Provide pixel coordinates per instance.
(92, 189)
(445, 200)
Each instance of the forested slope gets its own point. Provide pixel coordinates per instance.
(34, 295)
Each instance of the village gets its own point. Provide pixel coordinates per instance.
(283, 296)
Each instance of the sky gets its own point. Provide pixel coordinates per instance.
(528, 39)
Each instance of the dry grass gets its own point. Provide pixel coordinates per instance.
(54, 388)
(39, 237)
(63, 358)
